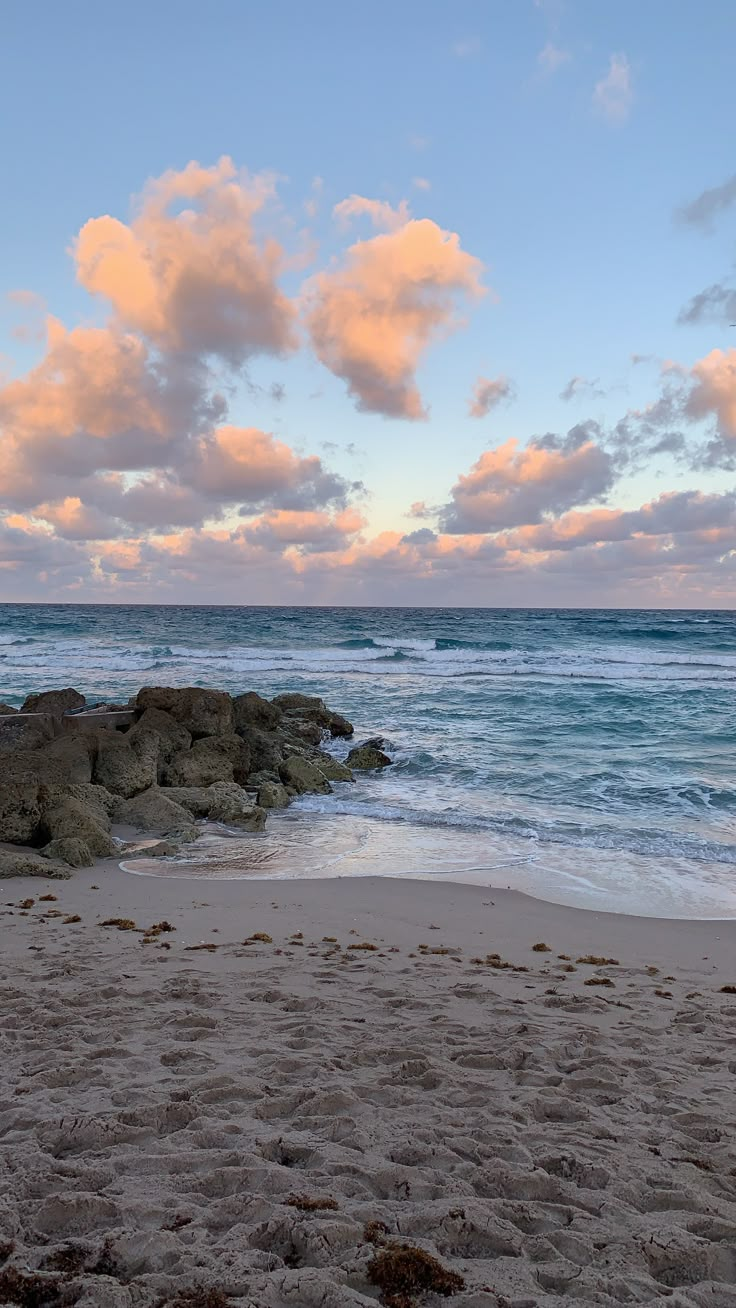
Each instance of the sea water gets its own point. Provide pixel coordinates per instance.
(583, 756)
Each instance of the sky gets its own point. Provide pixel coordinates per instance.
(416, 304)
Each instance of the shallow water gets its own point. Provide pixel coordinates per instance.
(583, 756)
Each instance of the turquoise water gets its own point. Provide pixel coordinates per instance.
(583, 756)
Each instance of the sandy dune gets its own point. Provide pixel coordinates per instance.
(165, 1112)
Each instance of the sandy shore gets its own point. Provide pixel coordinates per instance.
(166, 1109)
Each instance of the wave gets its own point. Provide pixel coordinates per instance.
(653, 843)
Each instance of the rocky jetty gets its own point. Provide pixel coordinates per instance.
(171, 757)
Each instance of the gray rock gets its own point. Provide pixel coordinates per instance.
(233, 805)
(215, 758)
(267, 751)
(70, 850)
(174, 738)
(313, 708)
(271, 794)
(75, 755)
(202, 712)
(18, 732)
(367, 757)
(55, 702)
(20, 810)
(71, 817)
(126, 766)
(7, 710)
(251, 710)
(155, 811)
(303, 776)
(22, 863)
(333, 769)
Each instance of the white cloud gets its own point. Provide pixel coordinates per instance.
(613, 95)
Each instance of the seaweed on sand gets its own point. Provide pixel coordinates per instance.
(402, 1272)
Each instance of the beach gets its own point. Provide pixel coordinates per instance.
(232, 1105)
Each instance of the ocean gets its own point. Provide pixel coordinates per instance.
(583, 756)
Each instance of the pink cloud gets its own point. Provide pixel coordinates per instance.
(372, 318)
(513, 485)
(487, 394)
(195, 280)
(714, 390)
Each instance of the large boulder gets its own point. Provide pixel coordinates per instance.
(7, 710)
(55, 702)
(214, 758)
(20, 809)
(126, 765)
(367, 757)
(251, 710)
(70, 850)
(75, 756)
(271, 794)
(155, 811)
(301, 776)
(72, 818)
(267, 750)
(18, 732)
(234, 806)
(174, 737)
(22, 863)
(222, 802)
(332, 768)
(312, 708)
(202, 712)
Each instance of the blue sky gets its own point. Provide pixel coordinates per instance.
(484, 117)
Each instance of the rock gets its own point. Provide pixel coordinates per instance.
(20, 810)
(232, 804)
(266, 751)
(154, 811)
(339, 726)
(70, 850)
(174, 738)
(71, 817)
(126, 765)
(332, 768)
(22, 863)
(303, 775)
(271, 794)
(214, 758)
(55, 702)
(7, 710)
(366, 757)
(202, 712)
(224, 801)
(306, 732)
(17, 732)
(75, 755)
(315, 709)
(160, 849)
(251, 710)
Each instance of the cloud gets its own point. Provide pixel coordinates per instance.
(487, 394)
(552, 58)
(96, 400)
(315, 532)
(511, 486)
(701, 211)
(195, 280)
(717, 303)
(372, 318)
(246, 465)
(613, 95)
(382, 214)
(580, 385)
(421, 183)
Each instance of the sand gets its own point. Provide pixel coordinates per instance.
(165, 1112)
